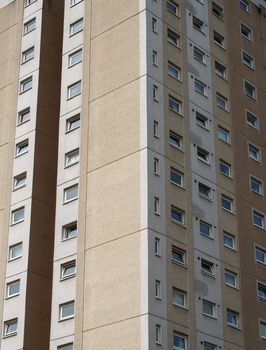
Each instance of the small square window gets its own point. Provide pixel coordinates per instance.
(179, 341)
(156, 206)
(12, 289)
(260, 255)
(158, 289)
(73, 123)
(20, 181)
(220, 70)
(179, 297)
(68, 270)
(174, 105)
(26, 85)
(178, 256)
(157, 246)
(227, 203)
(154, 25)
(248, 60)
(155, 58)
(205, 228)
(203, 155)
(244, 5)
(74, 2)
(66, 311)
(256, 185)
(177, 215)
(207, 267)
(72, 157)
(199, 55)
(68, 346)
(222, 102)
(10, 327)
(173, 7)
(261, 291)
(208, 308)
(246, 32)
(252, 121)
(28, 54)
(218, 39)
(209, 346)
(200, 87)
(76, 27)
(71, 193)
(250, 90)
(198, 24)
(225, 168)
(74, 90)
(158, 334)
(204, 191)
(201, 120)
(229, 240)
(23, 116)
(258, 219)
(175, 140)
(217, 10)
(15, 251)
(29, 26)
(17, 215)
(230, 278)
(69, 231)
(74, 58)
(254, 153)
(223, 134)
(232, 318)
(155, 93)
(176, 177)
(263, 330)
(22, 147)
(173, 38)
(174, 71)
(156, 166)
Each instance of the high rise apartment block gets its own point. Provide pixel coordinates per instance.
(132, 171)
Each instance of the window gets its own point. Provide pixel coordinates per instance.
(173, 38)
(74, 2)
(73, 123)
(26, 85)
(208, 308)
(252, 121)
(156, 206)
(157, 289)
(155, 58)
(227, 203)
(68, 269)
(220, 70)
(230, 278)
(201, 120)
(75, 58)
(204, 191)
(232, 318)
(154, 25)
(72, 157)
(263, 329)
(178, 256)
(158, 334)
(245, 31)
(173, 7)
(248, 60)
(244, 5)
(256, 185)
(203, 155)
(155, 129)
(156, 166)
(200, 87)
(225, 168)
(28, 2)
(175, 140)
(229, 240)
(174, 105)
(258, 219)
(197, 23)
(22, 147)
(74, 90)
(68, 346)
(66, 311)
(76, 27)
(250, 90)
(179, 297)
(69, 231)
(261, 291)
(15, 251)
(254, 153)
(217, 10)
(20, 181)
(12, 288)
(17, 215)
(177, 215)
(29, 26)
(157, 246)
(260, 255)
(28, 54)
(71, 193)
(209, 346)
(155, 93)
(205, 228)
(221, 102)
(207, 267)
(23, 116)
(218, 39)
(199, 55)
(10, 327)
(174, 71)
(223, 134)
(176, 177)
(179, 341)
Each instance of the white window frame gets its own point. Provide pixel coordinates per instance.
(228, 166)
(182, 336)
(28, 2)
(179, 211)
(157, 246)
(232, 274)
(221, 42)
(10, 258)
(74, 54)
(249, 58)
(155, 93)
(65, 228)
(173, 35)
(156, 131)
(210, 235)
(156, 166)
(259, 183)
(217, 10)
(26, 84)
(224, 132)
(16, 180)
(178, 173)
(172, 100)
(70, 87)
(220, 73)
(71, 120)
(179, 140)
(198, 24)
(158, 334)
(261, 250)
(249, 37)
(223, 99)
(68, 346)
(203, 88)
(22, 144)
(253, 88)
(22, 113)
(261, 216)
(205, 121)
(261, 285)
(211, 267)
(156, 202)
(254, 126)
(14, 212)
(154, 25)
(200, 52)
(75, 2)
(155, 58)
(61, 308)
(174, 7)
(7, 323)
(27, 25)
(25, 53)
(208, 190)
(245, 7)
(206, 153)
(182, 253)
(262, 323)
(174, 68)
(237, 318)
(68, 156)
(70, 188)
(229, 200)
(213, 307)
(72, 26)
(9, 286)
(256, 150)
(183, 296)
(64, 267)
(229, 235)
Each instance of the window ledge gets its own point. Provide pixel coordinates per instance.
(62, 279)
(18, 188)
(66, 318)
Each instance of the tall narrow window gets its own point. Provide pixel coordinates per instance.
(154, 25)
(158, 334)
(252, 121)
(155, 93)
(248, 60)
(156, 129)
(179, 341)
(156, 206)
(174, 105)
(158, 289)
(246, 31)
(261, 291)
(173, 37)
(220, 70)
(156, 166)
(157, 246)
(173, 7)
(250, 90)
(155, 58)
(263, 330)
